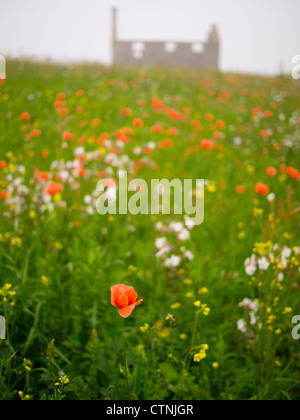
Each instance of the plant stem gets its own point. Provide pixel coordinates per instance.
(125, 358)
(193, 340)
(187, 360)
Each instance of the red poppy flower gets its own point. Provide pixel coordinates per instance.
(148, 150)
(157, 129)
(138, 122)
(68, 136)
(36, 133)
(218, 135)
(96, 122)
(221, 124)
(264, 134)
(268, 114)
(4, 195)
(157, 103)
(25, 116)
(174, 115)
(262, 189)
(173, 131)
(126, 112)
(45, 153)
(240, 189)
(209, 117)
(54, 188)
(271, 171)
(63, 112)
(196, 124)
(44, 176)
(293, 172)
(124, 298)
(60, 96)
(207, 144)
(59, 104)
(168, 142)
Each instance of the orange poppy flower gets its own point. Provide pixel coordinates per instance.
(82, 172)
(103, 136)
(138, 122)
(3, 164)
(45, 153)
(264, 134)
(36, 133)
(124, 298)
(4, 195)
(148, 150)
(174, 115)
(25, 116)
(221, 124)
(82, 140)
(68, 136)
(268, 114)
(189, 151)
(126, 112)
(209, 117)
(54, 188)
(157, 129)
(60, 96)
(59, 104)
(63, 112)
(257, 110)
(101, 174)
(168, 143)
(218, 135)
(196, 124)
(157, 103)
(271, 171)
(96, 122)
(262, 189)
(293, 173)
(240, 189)
(207, 144)
(277, 147)
(43, 176)
(173, 131)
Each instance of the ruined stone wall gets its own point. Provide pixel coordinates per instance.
(161, 53)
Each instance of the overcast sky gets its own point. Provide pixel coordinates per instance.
(258, 36)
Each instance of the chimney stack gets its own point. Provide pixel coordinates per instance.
(114, 24)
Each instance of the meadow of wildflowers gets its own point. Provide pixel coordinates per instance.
(207, 310)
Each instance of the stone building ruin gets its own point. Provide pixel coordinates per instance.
(164, 53)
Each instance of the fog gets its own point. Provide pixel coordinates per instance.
(257, 36)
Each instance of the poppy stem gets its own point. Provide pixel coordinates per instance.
(125, 358)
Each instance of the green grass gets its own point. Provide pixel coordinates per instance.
(83, 255)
